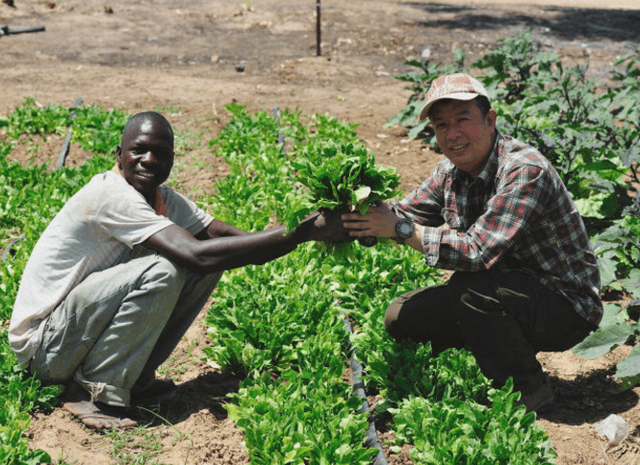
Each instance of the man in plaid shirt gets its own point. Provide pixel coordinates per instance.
(526, 278)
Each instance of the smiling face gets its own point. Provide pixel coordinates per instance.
(145, 156)
(464, 135)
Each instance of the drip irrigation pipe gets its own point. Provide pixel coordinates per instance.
(6, 30)
(318, 29)
(371, 436)
(276, 116)
(64, 152)
(9, 250)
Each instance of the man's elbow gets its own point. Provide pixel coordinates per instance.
(207, 266)
(199, 264)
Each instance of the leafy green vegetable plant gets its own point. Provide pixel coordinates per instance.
(341, 175)
(280, 325)
(474, 433)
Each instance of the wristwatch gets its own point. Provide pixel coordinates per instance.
(404, 230)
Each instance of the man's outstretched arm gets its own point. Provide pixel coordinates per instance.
(228, 247)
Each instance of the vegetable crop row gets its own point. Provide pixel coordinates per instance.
(279, 325)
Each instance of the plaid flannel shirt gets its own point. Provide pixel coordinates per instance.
(516, 215)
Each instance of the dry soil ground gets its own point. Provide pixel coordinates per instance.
(190, 58)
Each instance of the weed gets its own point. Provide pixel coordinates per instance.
(138, 446)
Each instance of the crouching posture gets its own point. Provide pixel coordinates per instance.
(497, 213)
(121, 273)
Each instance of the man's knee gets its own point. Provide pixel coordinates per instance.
(391, 318)
(414, 315)
(163, 270)
(400, 308)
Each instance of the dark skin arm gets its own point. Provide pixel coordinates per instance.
(219, 228)
(223, 247)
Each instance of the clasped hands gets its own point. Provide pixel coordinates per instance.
(342, 225)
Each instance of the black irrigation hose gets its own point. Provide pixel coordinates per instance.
(371, 436)
(9, 250)
(6, 30)
(276, 116)
(67, 140)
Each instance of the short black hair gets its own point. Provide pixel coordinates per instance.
(153, 116)
(134, 123)
(482, 102)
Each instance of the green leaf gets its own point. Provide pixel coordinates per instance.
(613, 313)
(416, 130)
(604, 340)
(628, 370)
(593, 205)
(607, 266)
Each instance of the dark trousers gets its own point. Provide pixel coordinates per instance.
(503, 318)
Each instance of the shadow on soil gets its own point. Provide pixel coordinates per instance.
(589, 399)
(207, 392)
(565, 23)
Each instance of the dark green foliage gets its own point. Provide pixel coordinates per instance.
(341, 175)
(589, 130)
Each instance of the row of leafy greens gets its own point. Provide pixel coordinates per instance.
(280, 326)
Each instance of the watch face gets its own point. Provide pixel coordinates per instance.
(404, 228)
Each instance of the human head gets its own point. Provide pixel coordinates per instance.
(457, 86)
(145, 154)
(463, 120)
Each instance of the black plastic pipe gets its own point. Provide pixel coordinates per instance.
(9, 250)
(371, 436)
(64, 152)
(318, 29)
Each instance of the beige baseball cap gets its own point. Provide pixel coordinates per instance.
(458, 86)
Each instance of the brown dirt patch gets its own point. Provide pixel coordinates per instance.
(189, 59)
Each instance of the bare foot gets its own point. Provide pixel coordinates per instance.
(94, 415)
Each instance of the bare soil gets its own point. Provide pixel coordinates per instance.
(190, 59)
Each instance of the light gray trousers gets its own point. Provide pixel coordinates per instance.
(118, 325)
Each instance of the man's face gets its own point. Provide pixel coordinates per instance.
(465, 137)
(145, 157)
